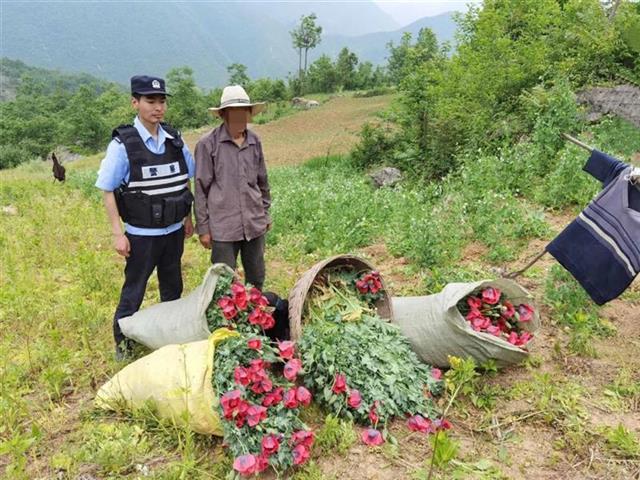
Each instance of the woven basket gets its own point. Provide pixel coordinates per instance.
(300, 290)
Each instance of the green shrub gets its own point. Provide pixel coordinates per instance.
(375, 147)
(12, 155)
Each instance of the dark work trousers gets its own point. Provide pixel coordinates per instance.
(251, 254)
(163, 252)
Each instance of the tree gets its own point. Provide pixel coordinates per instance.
(322, 75)
(305, 37)
(346, 69)
(397, 59)
(238, 74)
(426, 47)
(186, 105)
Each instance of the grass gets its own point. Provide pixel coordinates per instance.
(61, 280)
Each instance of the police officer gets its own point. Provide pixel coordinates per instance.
(145, 182)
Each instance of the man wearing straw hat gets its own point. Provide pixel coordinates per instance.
(232, 189)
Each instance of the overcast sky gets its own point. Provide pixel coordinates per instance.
(407, 11)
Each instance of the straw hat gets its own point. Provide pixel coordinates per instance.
(235, 96)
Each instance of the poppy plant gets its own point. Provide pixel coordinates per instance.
(228, 307)
(290, 398)
(418, 423)
(273, 398)
(270, 444)
(489, 311)
(239, 295)
(301, 454)
(303, 396)
(245, 464)
(286, 349)
(305, 437)
(241, 376)
(491, 295)
(371, 437)
(339, 384)
(257, 299)
(258, 406)
(255, 414)
(355, 399)
(525, 312)
(291, 369)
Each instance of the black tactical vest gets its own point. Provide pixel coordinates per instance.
(157, 193)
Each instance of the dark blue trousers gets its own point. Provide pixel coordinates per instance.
(163, 253)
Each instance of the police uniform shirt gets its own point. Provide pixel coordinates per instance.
(114, 170)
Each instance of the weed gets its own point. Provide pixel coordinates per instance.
(311, 471)
(622, 442)
(572, 307)
(336, 435)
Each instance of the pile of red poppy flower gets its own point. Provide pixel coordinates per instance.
(259, 405)
(489, 311)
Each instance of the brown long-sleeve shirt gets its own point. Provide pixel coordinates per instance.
(231, 187)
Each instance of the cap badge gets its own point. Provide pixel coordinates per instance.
(155, 84)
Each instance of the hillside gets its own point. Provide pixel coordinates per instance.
(11, 72)
(108, 39)
(555, 417)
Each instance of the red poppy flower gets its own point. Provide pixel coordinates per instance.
(245, 464)
(268, 322)
(441, 424)
(474, 315)
(240, 419)
(362, 286)
(436, 373)
(290, 399)
(287, 349)
(339, 384)
(300, 454)
(376, 283)
(491, 295)
(303, 396)
(524, 339)
(255, 317)
(257, 364)
(262, 463)
(525, 312)
(507, 310)
(480, 324)
(256, 298)
(304, 437)
(273, 398)
(494, 330)
(262, 386)
(372, 437)
(257, 374)
(474, 303)
(241, 376)
(355, 399)
(254, 344)
(230, 401)
(239, 294)
(228, 307)
(255, 414)
(291, 369)
(270, 444)
(418, 423)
